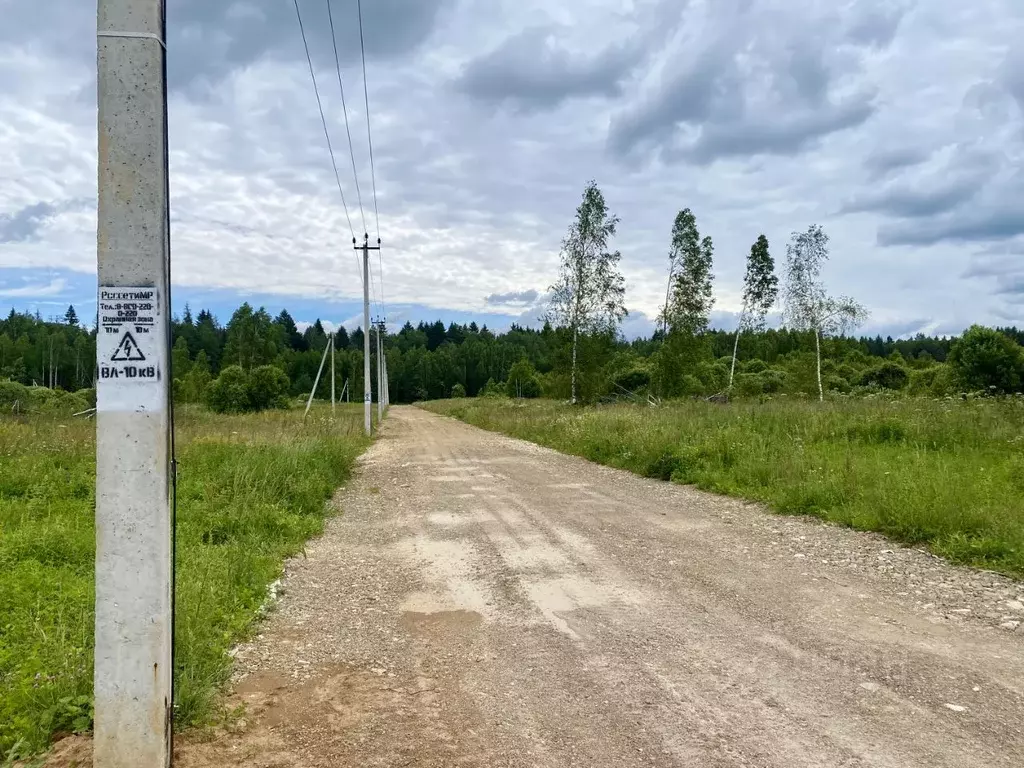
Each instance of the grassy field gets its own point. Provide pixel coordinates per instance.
(946, 473)
(252, 489)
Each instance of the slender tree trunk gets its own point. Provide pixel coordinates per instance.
(735, 349)
(817, 346)
(575, 340)
(668, 293)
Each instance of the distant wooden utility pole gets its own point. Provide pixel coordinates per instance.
(134, 603)
(367, 382)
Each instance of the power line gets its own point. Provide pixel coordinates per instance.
(366, 101)
(344, 109)
(369, 141)
(323, 121)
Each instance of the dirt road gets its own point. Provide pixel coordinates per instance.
(485, 602)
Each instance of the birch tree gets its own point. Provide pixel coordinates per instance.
(760, 290)
(807, 305)
(689, 299)
(588, 296)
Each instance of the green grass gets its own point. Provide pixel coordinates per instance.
(252, 489)
(949, 474)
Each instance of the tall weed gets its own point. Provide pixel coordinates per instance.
(251, 490)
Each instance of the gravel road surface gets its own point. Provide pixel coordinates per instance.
(482, 601)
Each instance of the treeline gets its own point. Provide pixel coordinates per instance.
(257, 361)
(432, 360)
(56, 355)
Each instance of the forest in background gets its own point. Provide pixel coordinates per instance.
(431, 360)
(256, 361)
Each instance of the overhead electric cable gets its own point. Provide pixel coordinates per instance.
(369, 141)
(327, 135)
(366, 101)
(344, 109)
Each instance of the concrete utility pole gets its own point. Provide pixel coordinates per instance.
(367, 383)
(134, 626)
(380, 371)
(332, 375)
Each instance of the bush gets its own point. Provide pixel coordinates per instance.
(888, 375)
(748, 385)
(62, 404)
(836, 383)
(985, 359)
(522, 380)
(268, 388)
(55, 402)
(691, 386)
(921, 381)
(713, 376)
(847, 372)
(492, 389)
(229, 392)
(943, 384)
(773, 381)
(458, 391)
(633, 379)
(89, 395)
(238, 391)
(755, 366)
(11, 393)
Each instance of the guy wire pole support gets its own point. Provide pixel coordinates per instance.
(134, 628)
(316, 381)
(367, 383)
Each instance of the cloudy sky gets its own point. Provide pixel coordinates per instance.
(896, 124)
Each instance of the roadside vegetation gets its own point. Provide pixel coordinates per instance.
(252, 489)
(948, 473)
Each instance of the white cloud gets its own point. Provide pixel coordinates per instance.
(475, 190)
(33, 290)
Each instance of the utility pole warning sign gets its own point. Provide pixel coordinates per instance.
(129, 337)
(128, 350)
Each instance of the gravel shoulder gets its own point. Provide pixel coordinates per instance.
(482, 601)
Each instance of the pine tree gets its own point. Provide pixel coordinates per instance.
(341, 339)
(71, 317)
(290, 335)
